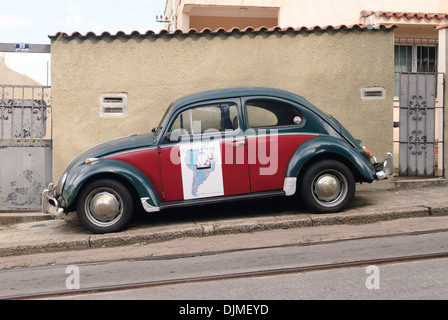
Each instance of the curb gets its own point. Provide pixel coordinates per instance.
(8, 218)
(222, 228)
(375, 216)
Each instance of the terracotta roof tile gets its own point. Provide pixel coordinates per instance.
(409, 15)
(150, 33)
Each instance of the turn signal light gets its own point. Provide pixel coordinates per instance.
(367, 151)
(90, 160)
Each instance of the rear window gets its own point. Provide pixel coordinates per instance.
(268, 113)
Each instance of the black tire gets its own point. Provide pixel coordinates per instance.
(327, 186)
(105, 206)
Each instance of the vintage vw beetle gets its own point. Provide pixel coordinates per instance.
(216, 146)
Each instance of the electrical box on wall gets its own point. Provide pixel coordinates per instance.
(113, 105)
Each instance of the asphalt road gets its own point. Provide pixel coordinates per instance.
(267, 250)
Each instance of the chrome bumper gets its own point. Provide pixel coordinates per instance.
(50, 203)
(385, 168)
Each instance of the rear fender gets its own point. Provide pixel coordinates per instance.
(320, 146)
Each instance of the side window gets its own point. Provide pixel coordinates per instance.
(220, 117)
(269, 113)
(182, 123)
(216, 117)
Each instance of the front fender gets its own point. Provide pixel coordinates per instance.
(322, 145)
(79, 175)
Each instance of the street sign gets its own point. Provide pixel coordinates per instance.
(22, 47)
(25, 47)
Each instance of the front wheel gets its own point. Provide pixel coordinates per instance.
(105, 206)
(327, 186)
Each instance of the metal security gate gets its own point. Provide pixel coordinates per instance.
(417, 124)
(25, 146)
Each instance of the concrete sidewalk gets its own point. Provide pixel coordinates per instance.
(27, 233)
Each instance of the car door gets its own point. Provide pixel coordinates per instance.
(275, 129)
(204, 153)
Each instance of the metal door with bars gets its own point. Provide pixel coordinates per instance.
(25, 146)
(417, 124)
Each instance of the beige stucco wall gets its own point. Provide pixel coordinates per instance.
(11, 77)
(328, 68)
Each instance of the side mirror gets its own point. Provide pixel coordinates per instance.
(155, 129)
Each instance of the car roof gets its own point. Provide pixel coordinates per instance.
(238, 92)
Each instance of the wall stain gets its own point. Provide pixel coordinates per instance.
(28, 174)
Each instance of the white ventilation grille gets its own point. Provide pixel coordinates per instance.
(373, 93)
(113, 105)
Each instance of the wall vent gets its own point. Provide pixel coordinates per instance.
(373, 93)
(113, 105)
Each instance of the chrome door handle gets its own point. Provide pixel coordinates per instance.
(236, 143)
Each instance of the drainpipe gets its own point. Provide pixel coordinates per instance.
(442, 73)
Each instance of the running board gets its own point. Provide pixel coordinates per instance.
(203, 201)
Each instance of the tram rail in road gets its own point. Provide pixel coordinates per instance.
(227, 276)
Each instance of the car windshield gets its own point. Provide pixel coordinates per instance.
(162, 122)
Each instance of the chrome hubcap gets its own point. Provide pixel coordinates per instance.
(103, 207)
(329, 188)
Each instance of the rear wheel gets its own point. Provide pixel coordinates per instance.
(327, 186)
(105, 206)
